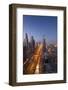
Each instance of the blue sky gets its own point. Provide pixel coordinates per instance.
(40, 27)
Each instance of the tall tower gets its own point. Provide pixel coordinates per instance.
(26, 40)
(44, 44)
(32, 43)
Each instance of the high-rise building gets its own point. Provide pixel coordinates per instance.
(26, 40)
(25, 47)
(32, 43)
(44, 44)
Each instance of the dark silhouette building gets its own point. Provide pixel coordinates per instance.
(26, 40)
(44, 45)
(32, 43)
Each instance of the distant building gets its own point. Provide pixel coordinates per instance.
(26, 40)
(32, 43)
(28, 47)
(44, 45)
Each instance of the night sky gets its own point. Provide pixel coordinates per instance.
(41, 27)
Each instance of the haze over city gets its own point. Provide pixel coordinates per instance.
(39, 44)
(41, 27)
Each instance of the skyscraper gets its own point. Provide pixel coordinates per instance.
(26, 40)
(32, 43)
(44, 45)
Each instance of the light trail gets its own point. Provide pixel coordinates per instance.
(34, 66)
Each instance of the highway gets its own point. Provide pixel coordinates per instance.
(34, 63)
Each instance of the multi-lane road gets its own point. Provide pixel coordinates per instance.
(33, 65)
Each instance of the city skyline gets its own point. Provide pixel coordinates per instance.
(40, 44)
(41, 27)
